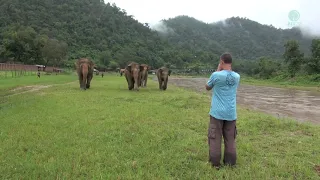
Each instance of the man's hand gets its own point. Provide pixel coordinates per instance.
(208, 88)
(219, 67)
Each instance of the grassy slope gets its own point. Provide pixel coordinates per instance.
(108, 132)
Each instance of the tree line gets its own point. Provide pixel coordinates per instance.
(23, 44)
(56, 33)
(294, 62)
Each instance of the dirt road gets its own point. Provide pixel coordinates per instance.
(297, 104)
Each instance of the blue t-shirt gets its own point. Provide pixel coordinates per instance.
(224, 94)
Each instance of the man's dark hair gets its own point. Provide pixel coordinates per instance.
(226, 58)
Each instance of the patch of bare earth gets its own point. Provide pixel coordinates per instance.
(280, 102)
(31, 88)
(25, 89)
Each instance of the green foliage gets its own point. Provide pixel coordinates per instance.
(23, 44)
(268, 68)
(105, 33)
(104, 59)
(113, 65)
(54, 52)
(293, 57)
(314, 61)
(88, 27)
(244, 38)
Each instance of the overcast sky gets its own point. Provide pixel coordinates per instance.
(273, 12)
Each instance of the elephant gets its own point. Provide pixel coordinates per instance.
(133, 75)
(162, 74)
(144, 75)
(84, 68)
(121, 71)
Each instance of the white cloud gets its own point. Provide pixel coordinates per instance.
(273, 12)
(161, 27)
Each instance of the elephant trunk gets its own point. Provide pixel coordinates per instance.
(136, 77)
(84, 69)
(143, 78)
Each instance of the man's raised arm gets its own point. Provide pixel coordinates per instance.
(211, 82)
(212, 79)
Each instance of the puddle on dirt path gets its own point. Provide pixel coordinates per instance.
(297, 104)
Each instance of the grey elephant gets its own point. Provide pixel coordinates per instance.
(144, 75)
(162, 74)
(132, 74)
(121, 71)
(84, 68)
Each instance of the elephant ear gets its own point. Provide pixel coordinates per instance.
(141, 68)
(169, 72)
(128, 68)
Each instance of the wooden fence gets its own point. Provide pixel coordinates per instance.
(23, 69)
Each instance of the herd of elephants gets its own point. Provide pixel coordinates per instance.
(136, 74)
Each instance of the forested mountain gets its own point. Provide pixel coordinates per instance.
(56, 32)
(91, 28)
(244, 38)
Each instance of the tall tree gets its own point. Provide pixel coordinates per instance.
(104, 59)
(314, 60)
(54, 52)
(267, 68)
(20, 44)
(293, 57)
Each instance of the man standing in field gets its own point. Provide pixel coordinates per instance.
(223, 112)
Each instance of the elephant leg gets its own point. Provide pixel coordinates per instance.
(165, 84)
(129, 81)
(84, 81)
(136, 82)
(89, 78)
(145, 81)
(131, 86)
(141, 81)
(80, 80)
(125, 75)
(160, 84)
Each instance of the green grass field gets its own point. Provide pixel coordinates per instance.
(109, 132)
(8, 84)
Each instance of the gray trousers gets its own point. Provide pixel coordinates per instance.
(218, 129)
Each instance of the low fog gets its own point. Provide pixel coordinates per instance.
(161, 27)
